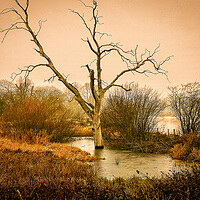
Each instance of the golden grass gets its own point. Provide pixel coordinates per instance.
(56, 171)
(61, 150)
(81, 131)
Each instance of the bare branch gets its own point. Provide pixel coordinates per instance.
(92, 79)
(155, 51)
(12, 27)
(92, 62)
(27, 70)
(9, 10)
(51, 79)
(83, 20)
(86, 5)
(27, 4)
(40, 26)
(20, 5)
(121, 86)
(90, 45)
(135, 65)
(103, 34)
(23, 9)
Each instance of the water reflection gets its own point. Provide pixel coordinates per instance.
(124, 163)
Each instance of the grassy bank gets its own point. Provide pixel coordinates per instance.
(156, 143)
(58, 171)
(185, 147)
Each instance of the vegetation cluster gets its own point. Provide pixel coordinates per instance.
(37, 115)
(130, 118)
(133, 114)
(32, 167)
(26, 174)
(187, 147)
(185, 104)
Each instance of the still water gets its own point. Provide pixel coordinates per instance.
(124, 163)
(168, 125)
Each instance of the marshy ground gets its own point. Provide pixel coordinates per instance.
(57, 171)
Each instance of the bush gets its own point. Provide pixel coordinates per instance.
(132, 114)
(187, 148)
(178, 185)
(185, 103)
(27, 110)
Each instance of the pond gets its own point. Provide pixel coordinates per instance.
(124, 163)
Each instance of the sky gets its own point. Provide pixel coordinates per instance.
(174, 24)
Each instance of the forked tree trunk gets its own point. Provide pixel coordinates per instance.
(98, 140)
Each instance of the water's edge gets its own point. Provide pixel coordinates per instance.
(124, 163)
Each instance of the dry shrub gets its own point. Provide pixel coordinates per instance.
(156, 143)
(195, 155)
(132, 114)
(187, 148)
(39, 175)
(32, 118)
(57, 171)
(179, 151)
(178, 185)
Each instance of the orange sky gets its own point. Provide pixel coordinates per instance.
(174, 24)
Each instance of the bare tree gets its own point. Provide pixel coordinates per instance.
(130, 58)
(185, 103)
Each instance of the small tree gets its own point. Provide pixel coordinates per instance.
(133, 114)
(185, 103)
(131, 59)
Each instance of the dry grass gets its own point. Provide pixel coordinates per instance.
(58, 171)
(61, 150)
(82, 131)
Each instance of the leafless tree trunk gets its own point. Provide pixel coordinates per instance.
(131, 59)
